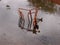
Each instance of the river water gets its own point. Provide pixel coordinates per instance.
(11, 34)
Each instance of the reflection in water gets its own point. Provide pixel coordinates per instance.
(10, 34)
(44, 4)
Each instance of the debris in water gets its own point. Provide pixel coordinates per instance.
(7, 6)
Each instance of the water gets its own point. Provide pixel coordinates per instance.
(11, 34)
